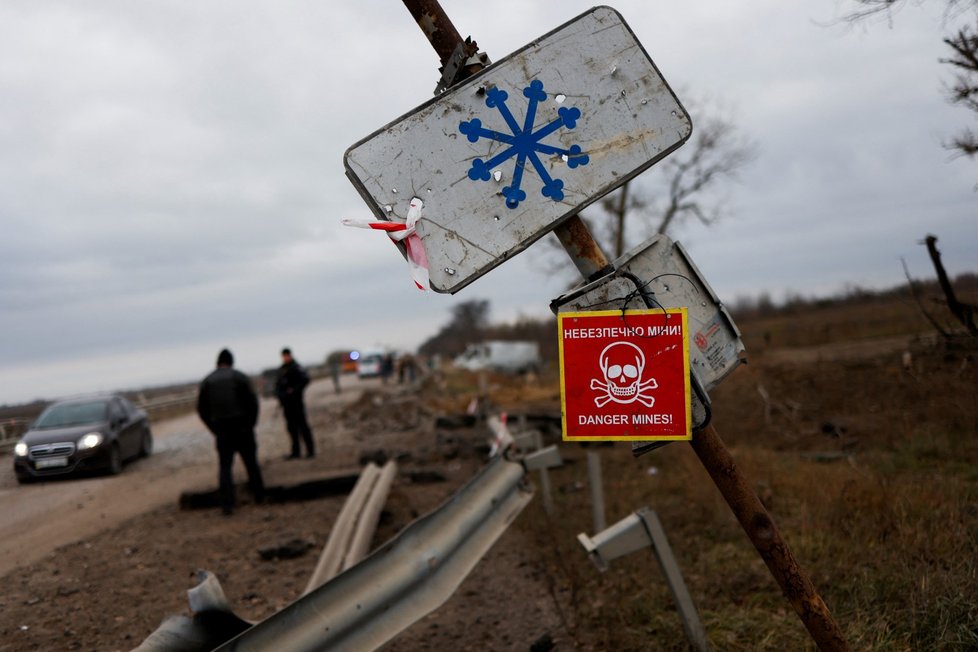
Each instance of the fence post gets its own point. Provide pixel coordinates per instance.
(597, 490)
(548, 499)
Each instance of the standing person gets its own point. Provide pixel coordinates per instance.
(289, 386)
(228, 405)
(334, 371)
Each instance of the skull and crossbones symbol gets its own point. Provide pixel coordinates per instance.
(622, 365)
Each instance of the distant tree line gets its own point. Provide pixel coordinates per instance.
(469, 324)
(745, 307)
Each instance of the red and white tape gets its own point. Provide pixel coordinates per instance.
(502, 439)
(404, 232)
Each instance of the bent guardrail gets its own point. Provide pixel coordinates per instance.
(404, 579)
(355, 526)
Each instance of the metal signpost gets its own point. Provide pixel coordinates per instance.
(511, 151)
(642, 529)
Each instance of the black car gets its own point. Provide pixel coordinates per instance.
(83, 435)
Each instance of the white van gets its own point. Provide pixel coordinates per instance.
(498, 355)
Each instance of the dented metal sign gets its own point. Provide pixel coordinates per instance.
(504, 157)
(659, 274)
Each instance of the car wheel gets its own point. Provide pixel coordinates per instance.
(146, 449)
(24, 479)
(115, 460)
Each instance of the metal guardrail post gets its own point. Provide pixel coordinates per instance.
(532, 440)
(674, 578)
(545, 458)
(160, 405)
(642, 530)
(597, 490)
(548, 499)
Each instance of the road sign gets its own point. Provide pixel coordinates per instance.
(504, 157)
(624, 375)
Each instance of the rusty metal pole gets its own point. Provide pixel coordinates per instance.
(582, 248)
(591, 262)
(795, 583)
(436, 25)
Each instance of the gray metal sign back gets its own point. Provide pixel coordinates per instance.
(660, 274)
(503, 158)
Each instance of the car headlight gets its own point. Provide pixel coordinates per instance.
(20, 449)
(91, 440)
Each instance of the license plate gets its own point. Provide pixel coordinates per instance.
(51, 462)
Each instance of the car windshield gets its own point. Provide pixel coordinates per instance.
(71, 414)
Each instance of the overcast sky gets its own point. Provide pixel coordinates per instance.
(172, 174)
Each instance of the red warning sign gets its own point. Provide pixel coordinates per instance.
(624, 375)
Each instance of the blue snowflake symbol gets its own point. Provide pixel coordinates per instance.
(524, 143)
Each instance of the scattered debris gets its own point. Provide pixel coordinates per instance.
(827, 456)
(291, 549)
(833, 429)
(572, 487)
(501, 439)
(375, 413)
(426, 477)
(788, 408)
(378, 457)
(543, 644)
(456, 421)
(212, 624)
(335, 485)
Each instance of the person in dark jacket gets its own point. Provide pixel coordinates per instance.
(289, 386)
(228, 405)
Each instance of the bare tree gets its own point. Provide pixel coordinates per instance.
(964, 91)
(689, 184)
(717, 154)
(468, 323)
(963, 44)
(869, 8)
(470, 316)
(964, 312)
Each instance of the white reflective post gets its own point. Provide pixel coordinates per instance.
(597, 491)
(548, 501)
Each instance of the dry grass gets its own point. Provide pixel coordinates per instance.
(888, 530)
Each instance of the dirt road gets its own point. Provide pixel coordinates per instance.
(38, 518)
